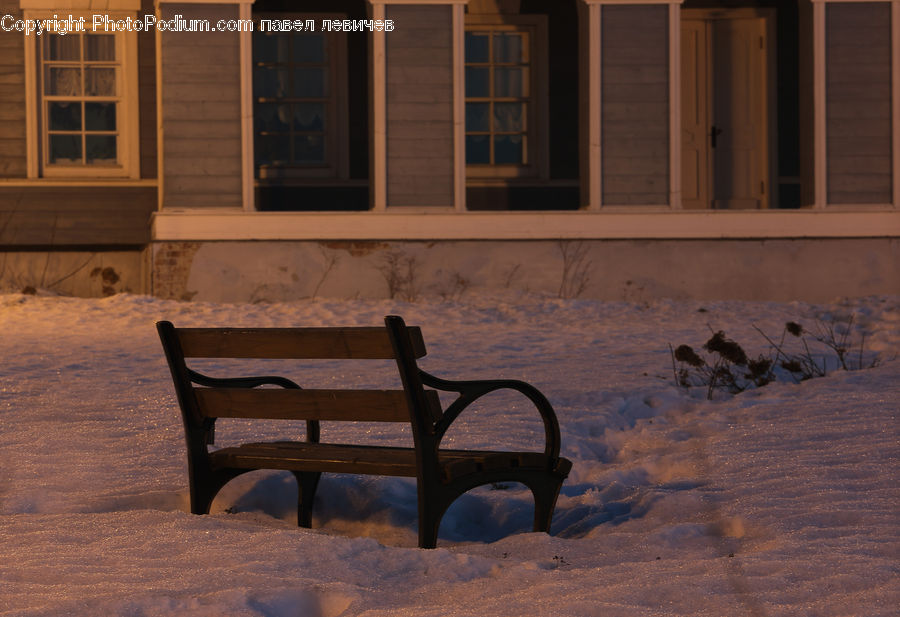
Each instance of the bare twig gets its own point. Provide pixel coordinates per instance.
(331, 260)
(674, 369)
(457, 287)
(400, 272)
(52, 243)
(576, 268)
(511, 275)
(73, 272)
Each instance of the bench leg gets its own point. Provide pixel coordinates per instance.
(205, 484)
(307, 483)
(429, 523)
(432, 503)
(546, 492)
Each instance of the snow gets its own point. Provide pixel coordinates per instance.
(777, 501)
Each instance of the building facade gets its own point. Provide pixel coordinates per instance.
(273, 150)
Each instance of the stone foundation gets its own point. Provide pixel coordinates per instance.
(814, 270)
(74, 273)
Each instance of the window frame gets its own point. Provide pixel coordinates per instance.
(537, 137)
(337, 156)
(127, 164)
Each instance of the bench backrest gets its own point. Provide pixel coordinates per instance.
(361, 343)
(357, 343)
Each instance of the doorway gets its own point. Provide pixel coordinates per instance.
(726, 85)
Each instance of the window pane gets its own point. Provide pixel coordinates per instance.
(310, 83)
(309, 149)
(510, 82)
(65, 149)
(100, 148)
(60, 81)
(508, 47)
(309, 117)
(100, 82)
(478, 116)
(268, 47)
(100, 47)
(271, 117)
(62, 47)
(100, 116)
(508, 150)
(478, 81)
(309, 48)
(271, 83)
(477, 45)
(478, 149)
(509, 117)
(273, 149)
(65, 116)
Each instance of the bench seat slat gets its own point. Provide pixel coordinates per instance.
(376, 460)
(290, 404)
(362, 343)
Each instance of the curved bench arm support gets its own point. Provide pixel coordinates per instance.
(313, 430)
(240, 382)
(469, 391)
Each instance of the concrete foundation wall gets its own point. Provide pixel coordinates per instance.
(629, 270)
(74, 273)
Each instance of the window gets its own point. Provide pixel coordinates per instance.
(503, 83)
(299, 106)
(84, 117)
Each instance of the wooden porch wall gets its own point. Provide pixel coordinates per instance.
(75, 216)
(12, 97)
(858, 102)
(634, 77)
(13, 151)
(147, 96)
(201, 96)
(419, 58)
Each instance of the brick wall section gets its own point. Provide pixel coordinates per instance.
(171, 267)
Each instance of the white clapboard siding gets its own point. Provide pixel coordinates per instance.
(635, 104)
(12, 97)
(419, 59)
(201, 111)
(858, 102)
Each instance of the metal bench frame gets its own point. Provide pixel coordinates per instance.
(441, 475)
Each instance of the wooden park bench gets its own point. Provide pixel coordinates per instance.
(441, 475)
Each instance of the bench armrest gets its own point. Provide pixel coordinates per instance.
(313, 430)
(471, 390)
(240, 382)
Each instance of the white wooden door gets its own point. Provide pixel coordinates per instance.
(740, 153)
(695, 120)
(724, 112)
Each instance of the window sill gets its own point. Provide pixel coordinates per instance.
(105, 182)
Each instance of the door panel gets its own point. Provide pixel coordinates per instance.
(695, 115)
(739, 158)
(724, 111)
